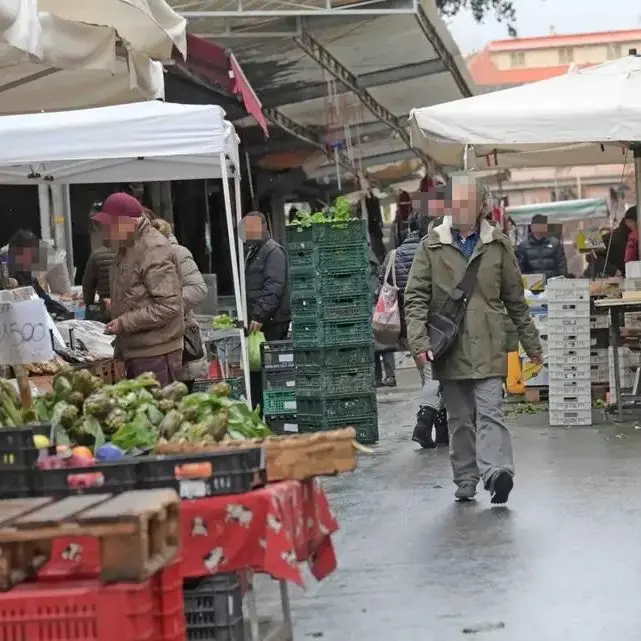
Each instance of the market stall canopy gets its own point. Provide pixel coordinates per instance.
(584, 117)
(561, 211)
(151, 27)
(125, 143)
(49, 63)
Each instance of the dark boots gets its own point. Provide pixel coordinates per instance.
(423, 431)
(426, 419)
(440, 427)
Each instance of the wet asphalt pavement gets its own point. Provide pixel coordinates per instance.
(561, 562)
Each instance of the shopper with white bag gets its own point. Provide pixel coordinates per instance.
(431, 415)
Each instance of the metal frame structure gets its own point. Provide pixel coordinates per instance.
(249, 19)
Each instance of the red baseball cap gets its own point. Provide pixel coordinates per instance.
(118, 205)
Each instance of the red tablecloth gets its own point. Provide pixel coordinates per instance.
(269, 530)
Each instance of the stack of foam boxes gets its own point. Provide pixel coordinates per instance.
(569, 360)
(599, 341)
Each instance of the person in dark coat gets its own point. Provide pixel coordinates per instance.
(97, 276)
(268, 306)
(599, 262)
(25, 256)
(404, 210)
(619, 239)
(375, 225)
(541, 253)
(431, 414)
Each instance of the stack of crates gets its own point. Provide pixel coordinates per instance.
(331, 327)
(279, 386)
(569, 358)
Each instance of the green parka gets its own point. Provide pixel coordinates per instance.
(481, 349)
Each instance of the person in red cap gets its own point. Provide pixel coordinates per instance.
(146, 302)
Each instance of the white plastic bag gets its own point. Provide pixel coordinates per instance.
(386, 321)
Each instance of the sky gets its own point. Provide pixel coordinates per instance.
(537, 17)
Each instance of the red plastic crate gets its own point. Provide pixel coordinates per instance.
(169, 606)
(77, 611)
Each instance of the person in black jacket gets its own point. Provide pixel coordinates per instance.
(268, 307)
(619, 239)
(431, 414)
(541, 253)
(26, 256)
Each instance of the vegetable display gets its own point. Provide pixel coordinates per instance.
(224, 321)
(135, 414)
(341, 210)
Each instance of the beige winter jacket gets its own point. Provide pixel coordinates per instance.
(146, 296)
(194, 292)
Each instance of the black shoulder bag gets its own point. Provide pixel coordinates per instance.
(445, 324)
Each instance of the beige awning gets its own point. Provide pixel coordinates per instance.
(151, 27)
(49, 64)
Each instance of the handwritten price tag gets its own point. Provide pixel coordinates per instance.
(24, 333)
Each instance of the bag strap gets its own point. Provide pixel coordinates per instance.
(393, 261)
(389, 268)
(468, 282)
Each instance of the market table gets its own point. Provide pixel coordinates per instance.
(618, 307)
(269, 530)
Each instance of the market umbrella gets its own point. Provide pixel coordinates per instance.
(48, 63)
(587, 116)
(584, 117)
(151, 27)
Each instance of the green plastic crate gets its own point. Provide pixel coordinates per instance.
(366, 427)
(311, 383)
(335, 407)
(279, 402)
(237, 385)
(310, 284)
(330, 358)
(327, 233)
(336, 308)
(318, 333)
(328, 260)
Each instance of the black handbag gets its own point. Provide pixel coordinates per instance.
(445, 324)
(192, 343)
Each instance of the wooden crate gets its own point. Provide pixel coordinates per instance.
(138, 532)
(107, 370)
(298, 457)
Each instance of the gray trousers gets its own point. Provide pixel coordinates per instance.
(482, 452)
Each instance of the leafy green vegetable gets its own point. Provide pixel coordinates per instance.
(137, 433)
(64, 415)
(87, 431)
(223, 321)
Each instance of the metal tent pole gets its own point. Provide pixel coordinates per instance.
(636, 149)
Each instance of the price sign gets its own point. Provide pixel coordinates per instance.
(24, 333)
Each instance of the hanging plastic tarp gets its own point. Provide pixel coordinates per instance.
(562, 211)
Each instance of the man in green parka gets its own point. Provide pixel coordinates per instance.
(473, 371)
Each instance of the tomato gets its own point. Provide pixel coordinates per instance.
(83, 452)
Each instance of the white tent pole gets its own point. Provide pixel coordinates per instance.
(44, 203)
(241, 249)
(240, 308)
(636, 149)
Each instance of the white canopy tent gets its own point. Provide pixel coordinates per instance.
(588, 116)
(50, 63)
(130, 143)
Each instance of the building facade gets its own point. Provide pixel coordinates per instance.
(507, 63)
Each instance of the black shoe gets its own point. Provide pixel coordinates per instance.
(390, 381)
(441, 428)
(423, 431)
(500, 487)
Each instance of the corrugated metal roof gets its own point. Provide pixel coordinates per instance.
(394, 60)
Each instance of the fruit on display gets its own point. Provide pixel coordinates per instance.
(96, 422)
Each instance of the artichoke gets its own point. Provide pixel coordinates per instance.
(221, 389)
(170, 424)
(76, 398)
(176, 391)
(64, 415)
(148, 379)
(98, 405)
(62, 388)
(166, 405)
(116, 418)
(85, 382)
